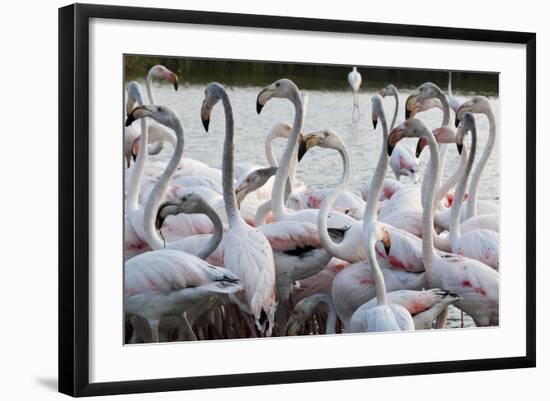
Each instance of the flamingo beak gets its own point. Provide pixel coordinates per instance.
(410, 104)
(458, 115)
(241, 191)
(263, 97)
(386, 240)
(459, 147)
(164, 211)
(421, 144)
(309, 141)
(136, 114)
(205, 115)
(375, 122)
(135, 149)
(175, 82)
(395, 136)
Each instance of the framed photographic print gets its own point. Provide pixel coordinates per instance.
(359, 194)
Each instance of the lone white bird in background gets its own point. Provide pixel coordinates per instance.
(354, 79)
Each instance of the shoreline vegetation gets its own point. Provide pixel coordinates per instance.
(311, 76)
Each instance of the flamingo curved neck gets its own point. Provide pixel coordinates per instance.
(453, 180)
(445, 106)
(134, 184)
(228, 163)
(379, 283)
(428, 252)
(337, 250)
(371, 210)
(216, 237)
(454, 226)
(158, 193)
(277, 203)
(394, 119)
(269, 155)
(149, 86)
(476, 175)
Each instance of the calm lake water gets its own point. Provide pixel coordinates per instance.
(320, 168)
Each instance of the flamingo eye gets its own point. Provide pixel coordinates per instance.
(277, 84)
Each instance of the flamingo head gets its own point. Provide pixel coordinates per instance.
(192, 203)
(411, 107)
(302, 311)
(428, 90)
(382, 234)
(388, 90)
(283, 88)
(441, 135)
(253, 181)
(468, 123)
(477, 104)
(161, 114)
(410, 128)
(161, 72)
(212, 95)
(325, 139)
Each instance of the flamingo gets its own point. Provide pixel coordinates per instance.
(165, 283)
(159, 72)
(305, 308)
(157, 134)
(142, 218)
(425, 306)
(385, 316)
(297, 251)
(474, 207)
(482, 244)
(286, 89)
(479, 105)
(354, 80)
(247, 252)
(476, 243)
(476, 283)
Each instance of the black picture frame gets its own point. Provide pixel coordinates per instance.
(74, 198)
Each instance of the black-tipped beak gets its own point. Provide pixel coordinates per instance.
(387, 248)
(457, 121)
(374, 123)
(134, 156)
(129, 119)
(459, 147)
(302, 150)
(419, 148)
(259, 107)
(407, 114)
(176, 86)
(205, 123)
(390, 149)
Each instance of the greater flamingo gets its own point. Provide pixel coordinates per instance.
(476, 283)
(247, 252)
(354, 80)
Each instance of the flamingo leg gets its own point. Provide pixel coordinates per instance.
(441, 321)
(188, 328)
(154, 324)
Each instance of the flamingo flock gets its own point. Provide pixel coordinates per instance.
(248, 250)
